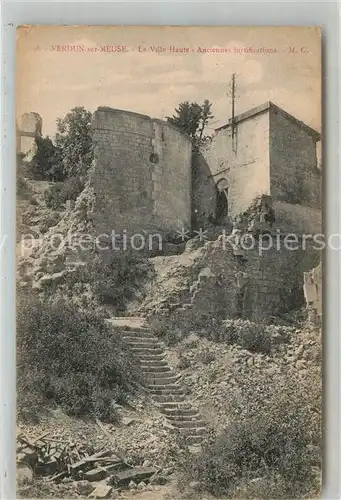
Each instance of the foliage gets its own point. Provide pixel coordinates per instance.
(74, 141)
(266, 451)
(59, 193)
(45, 164)
(193, 118)
(171, 329)
(117, 279)
(254, 337)
(71, 357)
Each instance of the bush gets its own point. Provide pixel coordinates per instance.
(23, 188)
(45, 164)
(58, 194)
(119, 279)
(206, 357)
(71, 357)
(265, 451)
(169, 329)
(254, 337)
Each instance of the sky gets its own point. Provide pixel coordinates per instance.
(60, 67)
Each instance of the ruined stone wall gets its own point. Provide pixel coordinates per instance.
(141, 173)
(313, 289)
(253, 285)
(204, 193)
(294, 218)
(294, 175)
(171, 177)
(28, 127)
(244, 163)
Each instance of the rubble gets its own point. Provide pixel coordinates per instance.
(208, 385)
(89, 472)
(24, 474)
(136, 475)
(102, 490)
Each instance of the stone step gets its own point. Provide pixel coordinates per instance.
(156, 369)
(183, 418)
(170, 399)
(194, 439)
(150, 357)
(189, 424)
(171, 393)
(172, 411)
(191, 431)
(161, 384)
(155, 362)
(142, 345)
(136, 332)
(143, 336)
(159, 376)
(139, 338)
(174, 404)
(148, 351)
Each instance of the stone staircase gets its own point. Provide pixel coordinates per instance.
(164, 385)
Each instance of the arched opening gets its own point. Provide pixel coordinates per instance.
(222, 203)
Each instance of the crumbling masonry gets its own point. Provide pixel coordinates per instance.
(262, 179)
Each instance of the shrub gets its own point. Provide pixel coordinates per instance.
(74, 141)
(118, 279)
(58, 194)
(206, 357)
(254, 337)
(265, 449)
(169, 329)
(48, 220)
(23, 188)
(71, 357)
(46, 164)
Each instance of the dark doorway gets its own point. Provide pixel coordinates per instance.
(222, 208)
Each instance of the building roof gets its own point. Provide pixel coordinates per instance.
(266, 107)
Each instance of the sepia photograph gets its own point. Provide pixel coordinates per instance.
(169, 248)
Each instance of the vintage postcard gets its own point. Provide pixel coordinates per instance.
(169, 248)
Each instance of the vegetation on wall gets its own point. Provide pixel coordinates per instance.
(71, 154)
(74, 140)
(193, 119)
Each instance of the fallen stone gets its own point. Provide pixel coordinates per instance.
(132, 485)
(157, 479)
(102, 490)
(137, 474)
(168, 471)
(28, 456)
(96, 474)
(24, 474)
(84, 487)
(194, 485)
(141, 485)
(191, 340)
(67, 480)
(47, 468)
(128, 421)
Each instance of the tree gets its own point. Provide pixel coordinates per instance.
(193, 118)
(74, 141)
(45, 164)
